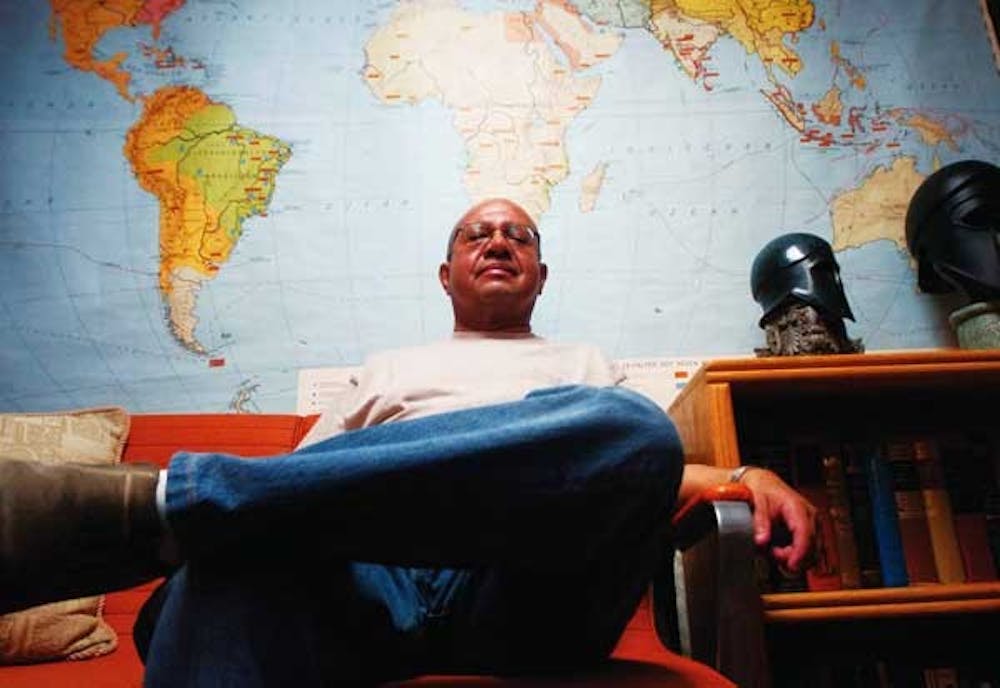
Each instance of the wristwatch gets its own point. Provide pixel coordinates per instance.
(736, 475)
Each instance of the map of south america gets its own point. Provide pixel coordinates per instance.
(209, 175)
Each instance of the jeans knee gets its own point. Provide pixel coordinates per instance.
(636, 414)
(646, 433)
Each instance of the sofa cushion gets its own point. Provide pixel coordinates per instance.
(120, 669)
(71, 629)
(154, 438)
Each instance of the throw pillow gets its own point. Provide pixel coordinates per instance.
(72, 629)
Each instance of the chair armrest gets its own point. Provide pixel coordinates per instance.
(697, 517)
(712, 592)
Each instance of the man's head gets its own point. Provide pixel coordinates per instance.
(493, 272)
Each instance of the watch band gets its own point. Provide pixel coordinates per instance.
(736, 475)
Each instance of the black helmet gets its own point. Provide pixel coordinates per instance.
(951, 229)
(798, 266)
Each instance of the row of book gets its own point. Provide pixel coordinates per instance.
(891, 674)
(895, 511)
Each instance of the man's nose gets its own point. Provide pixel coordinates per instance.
(498, 244)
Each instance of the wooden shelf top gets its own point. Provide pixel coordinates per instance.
(958, 366)
(874, 359)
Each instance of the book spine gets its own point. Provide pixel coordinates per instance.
(941, 677)
(992, 516)
(940, 520)
(776, 457)
(824, 574)
(967, 478)
(974, 544)
(911, 514)
(892, 563)
(840, 516)
(859, 502)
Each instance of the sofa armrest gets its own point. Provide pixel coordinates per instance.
(707, 604)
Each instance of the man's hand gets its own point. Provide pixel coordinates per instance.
(778, 507)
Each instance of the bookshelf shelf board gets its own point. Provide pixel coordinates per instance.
(914, 600)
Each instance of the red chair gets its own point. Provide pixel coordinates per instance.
(700, 625)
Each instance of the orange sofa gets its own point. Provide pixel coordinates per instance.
(639, 659)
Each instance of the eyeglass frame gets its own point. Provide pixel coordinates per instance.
(504, 229)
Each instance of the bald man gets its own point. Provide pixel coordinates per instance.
(489, 503)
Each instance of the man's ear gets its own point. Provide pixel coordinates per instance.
(543, 274)
(444, 276)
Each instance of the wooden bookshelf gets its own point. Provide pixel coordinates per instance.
(732, 405)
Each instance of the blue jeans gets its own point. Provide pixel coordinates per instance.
(502, 539)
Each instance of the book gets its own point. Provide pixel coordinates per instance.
(965, 463)
(824, 574)
(993, 525)
(937, 506)
(991, 450)
(838, 504)
(777, 457)
(860, 506)
(941, 677)
(910, 513)
(974, 547)
(892, 563)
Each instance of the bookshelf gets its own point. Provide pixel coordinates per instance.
(733, 408)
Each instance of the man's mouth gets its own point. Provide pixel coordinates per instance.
(497, 269)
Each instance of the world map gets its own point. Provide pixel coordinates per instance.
(199, 199)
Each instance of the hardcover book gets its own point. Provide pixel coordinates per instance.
(910, 513)
(940, 521)
(967, 473)
(808, 466)
(859, 502)
(892, 562)
(838, 503)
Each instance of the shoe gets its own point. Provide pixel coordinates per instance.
(69, 530)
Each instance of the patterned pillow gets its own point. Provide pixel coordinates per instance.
(73, 629)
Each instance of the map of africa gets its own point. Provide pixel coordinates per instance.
(199, 199)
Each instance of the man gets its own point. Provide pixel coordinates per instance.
(491, 503)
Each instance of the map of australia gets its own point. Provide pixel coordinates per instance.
(209, 175)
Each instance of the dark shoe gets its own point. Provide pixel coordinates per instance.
(69, 530)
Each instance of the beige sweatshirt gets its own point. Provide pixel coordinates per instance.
(465, 371)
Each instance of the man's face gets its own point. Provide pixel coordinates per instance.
(493, 283)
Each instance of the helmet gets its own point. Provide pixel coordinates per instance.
(798, 266)
(951, 230)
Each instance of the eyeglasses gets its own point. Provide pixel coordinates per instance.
(481, 232)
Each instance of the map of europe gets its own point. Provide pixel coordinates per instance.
(201, 198)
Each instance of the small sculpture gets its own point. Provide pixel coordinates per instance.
(796, 280)
(953, 231)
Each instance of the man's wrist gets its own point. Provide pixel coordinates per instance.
(736, 475)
